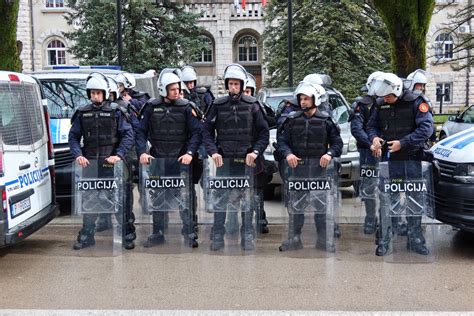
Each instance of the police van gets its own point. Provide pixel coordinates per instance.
(26, 159)
(454, 179)
(65, 91)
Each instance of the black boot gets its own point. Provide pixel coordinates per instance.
(190, 236)
(370, 225)
(415, 241)
(157, 238)
(322, 242)
(293, 243)
(84, 239)
(104, 223)
(337, 231)
(217, 242)
(263, 226)
(399, 227)
(246, 242)
(384, 242)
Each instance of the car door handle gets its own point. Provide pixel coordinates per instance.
(25, 166)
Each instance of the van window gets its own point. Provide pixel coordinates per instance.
(20, 114)
(339, 107)
(64, 96)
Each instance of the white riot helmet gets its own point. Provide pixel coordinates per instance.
(320, 79)
(165, 80)
(235, 71)
(370, 79)
(188, 74)
(97, 81)
(387, 83)
(251, 83)
(126, 79)
(311, 90)
(418, 76)
(113, 87)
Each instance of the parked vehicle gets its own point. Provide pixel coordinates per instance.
(340, 110)
(454, 179)
(457, 123)
(65, 90)
(26, 159)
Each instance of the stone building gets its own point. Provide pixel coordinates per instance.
(233, 34)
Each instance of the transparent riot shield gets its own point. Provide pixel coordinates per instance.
(228, 192)
(167, 201)
(406, 194)
(99, 190)
(310, 194)
(358, 208)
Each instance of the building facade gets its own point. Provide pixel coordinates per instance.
(234, 34)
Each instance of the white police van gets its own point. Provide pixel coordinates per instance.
(65, 91)
(26, 159)
(454, 179)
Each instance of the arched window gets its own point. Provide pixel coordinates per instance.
(444, 45)
(205, 56)
(248, 49)
(56, 53)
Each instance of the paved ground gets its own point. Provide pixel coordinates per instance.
(44, 273)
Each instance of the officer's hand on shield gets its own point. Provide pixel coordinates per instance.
(250, 159)
(145, 159)
(82, 161)
(217, 160)
(292, 160)
(377, 142)
(325, 160)
(376, 152)
(394, 146)
(113, 159)
(185, 159)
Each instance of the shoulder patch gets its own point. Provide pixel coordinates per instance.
(423, 107)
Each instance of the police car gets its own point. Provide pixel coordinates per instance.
(26, 159)
(454, 179)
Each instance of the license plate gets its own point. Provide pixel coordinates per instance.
(21, 207)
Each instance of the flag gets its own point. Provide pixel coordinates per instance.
(243, 4)
(264, 3)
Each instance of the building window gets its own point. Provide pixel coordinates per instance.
(444, 92)
(444, 45)
(248, 49)
(56, 53)
(54, 3)
(205, 56)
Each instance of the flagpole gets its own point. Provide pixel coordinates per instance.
(290, 44)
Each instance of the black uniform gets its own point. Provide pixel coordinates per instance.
(173, 130)
(409, 121)
(105, 131)
(308, 137)
(361, 110)
(240, 128)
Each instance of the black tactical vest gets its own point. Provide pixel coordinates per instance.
(308, 136)
(167, 128)
(234, 125)
(99, 131)
(396, 120)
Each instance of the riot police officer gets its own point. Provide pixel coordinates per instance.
(180, 142)
(398, 129)
(107, 135)
(309, 133)
(127, 83)
(245, 136)
(361, 109)
(201, 96)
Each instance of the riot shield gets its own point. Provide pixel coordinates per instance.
(406, 192)
(309, 196)
(229, 189)
(358, 210)
(167, 201)
(99, 190)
